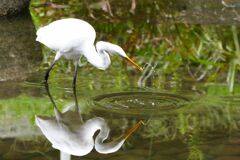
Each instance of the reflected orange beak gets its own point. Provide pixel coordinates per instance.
(134, 64)
(133, 129)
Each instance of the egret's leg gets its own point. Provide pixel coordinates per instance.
(57, 113)
(65, 156)
(74, 88)
(74, 85)
(48, 72)
(57, 57)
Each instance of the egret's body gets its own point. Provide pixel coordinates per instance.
(71, 38)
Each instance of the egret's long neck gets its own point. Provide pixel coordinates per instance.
(98, 123)
(108, 147)
(98, 58)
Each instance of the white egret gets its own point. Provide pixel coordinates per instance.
(71, 38)
(71, 136)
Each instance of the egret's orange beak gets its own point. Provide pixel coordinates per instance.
(134, 64)
(133, 129)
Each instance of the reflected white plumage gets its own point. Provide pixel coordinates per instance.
(71, 38)
(71, 136)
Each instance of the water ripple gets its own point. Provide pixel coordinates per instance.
(140, 102)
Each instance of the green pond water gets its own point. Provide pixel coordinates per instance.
(188, 96)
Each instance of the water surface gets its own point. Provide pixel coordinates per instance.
(188, 52)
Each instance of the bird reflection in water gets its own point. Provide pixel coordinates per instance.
(72, 136)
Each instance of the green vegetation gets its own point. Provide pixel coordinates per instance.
(24, 106)
(200, 53)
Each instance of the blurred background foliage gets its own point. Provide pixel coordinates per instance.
(159, 33)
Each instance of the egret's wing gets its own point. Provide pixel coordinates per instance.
(65, 34)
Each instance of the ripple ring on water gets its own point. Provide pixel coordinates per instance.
(140, 102)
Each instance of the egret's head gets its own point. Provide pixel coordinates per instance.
(117, 50)
(124, 55)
